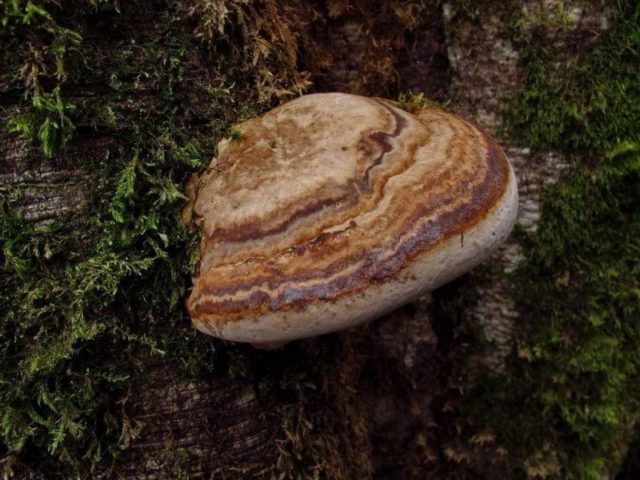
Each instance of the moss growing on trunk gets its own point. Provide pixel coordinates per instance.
(86, 297)
(573, 391)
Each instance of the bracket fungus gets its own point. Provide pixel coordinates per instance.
(334, 209)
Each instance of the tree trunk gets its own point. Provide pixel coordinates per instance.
(373, 402)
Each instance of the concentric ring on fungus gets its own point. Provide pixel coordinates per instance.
(335, 209)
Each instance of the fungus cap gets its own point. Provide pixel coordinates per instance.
(335, 209)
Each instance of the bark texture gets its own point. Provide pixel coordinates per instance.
(369, 403)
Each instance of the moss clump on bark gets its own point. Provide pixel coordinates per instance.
(572, 394)
(86, 297)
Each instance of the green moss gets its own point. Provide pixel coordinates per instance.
(236, 134)
(47, 121)
(577, 360)
(574, 388)
(415, 103)
(114, 278)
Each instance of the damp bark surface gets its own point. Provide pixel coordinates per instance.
(376, 402)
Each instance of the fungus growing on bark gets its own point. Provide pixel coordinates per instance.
(335, 209)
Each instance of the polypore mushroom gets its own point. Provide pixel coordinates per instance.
(335, 209)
